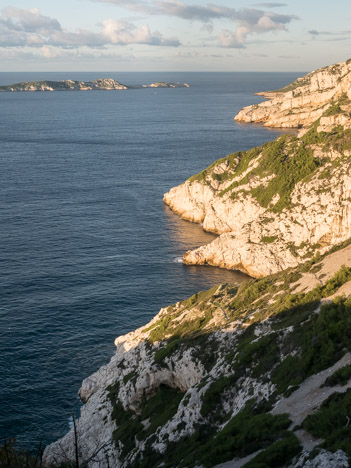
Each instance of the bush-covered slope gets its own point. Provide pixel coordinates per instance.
(275, 205)
(202, 383)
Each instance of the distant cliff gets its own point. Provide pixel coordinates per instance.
(107, 84)
(303, 101)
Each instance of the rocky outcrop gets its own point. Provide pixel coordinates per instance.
(324, 459)
(106, 84)
(165, 84)
(216, 368)
(275, 205)
(302, 102)
(266, 224)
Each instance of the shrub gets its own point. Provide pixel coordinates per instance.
(331, 423)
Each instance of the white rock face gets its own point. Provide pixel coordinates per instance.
(324, 459)
(95, 426)
(199, 203)
(303, 102)
(258, 241)
(134, 374)
(133, 359)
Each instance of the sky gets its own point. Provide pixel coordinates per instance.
(172, 35)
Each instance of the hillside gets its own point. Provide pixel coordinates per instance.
(258, 374)
(276, 205)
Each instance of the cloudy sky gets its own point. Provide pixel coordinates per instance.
(162, 35)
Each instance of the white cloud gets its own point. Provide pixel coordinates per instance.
(120, 32)
(253, 22)
(58, 54)
(229, 39)
(314, 33)
(19, 28)
(269, 5)
(248, 20)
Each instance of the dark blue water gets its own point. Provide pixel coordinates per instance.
(88, 251)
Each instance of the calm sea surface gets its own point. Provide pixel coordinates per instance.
(88, 251)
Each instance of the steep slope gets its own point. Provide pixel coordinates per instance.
(275, 205)
(303, 101)
(219, 377)
(256, 375)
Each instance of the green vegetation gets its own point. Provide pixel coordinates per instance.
(285, 161)
(340, 377)
(14, 456)
(318, 341)
(253, 428)
(166, 325)
(158, 409)
(303, 81)
(269, 239)
(131, 376)
(322, 340)
(248, 431)
(281, 164)
(339, 139)
(260, 355)
(236, 164)
(250, 299)
(289, 165)
(279, 454)
(332, 423)
(211, 400)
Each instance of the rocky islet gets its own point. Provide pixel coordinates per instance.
(101, 84)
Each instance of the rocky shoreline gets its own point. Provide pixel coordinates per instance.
(256, 375)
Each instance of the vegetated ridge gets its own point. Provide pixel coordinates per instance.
(105, 84)
(256, 375)
(278, 204)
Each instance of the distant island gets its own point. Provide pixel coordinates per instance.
(105, 84)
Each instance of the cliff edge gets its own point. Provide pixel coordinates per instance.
(256, 375)
(278, 204)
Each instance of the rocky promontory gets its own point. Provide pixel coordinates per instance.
(278, 204)
(302, 102)
(105, 84)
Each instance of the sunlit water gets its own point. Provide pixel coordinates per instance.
(88, 251)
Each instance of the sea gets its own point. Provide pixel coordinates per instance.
(88, 250)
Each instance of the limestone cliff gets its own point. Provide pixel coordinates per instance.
(256, 375)
(278, 204)
(251, 375)
(303, 101)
